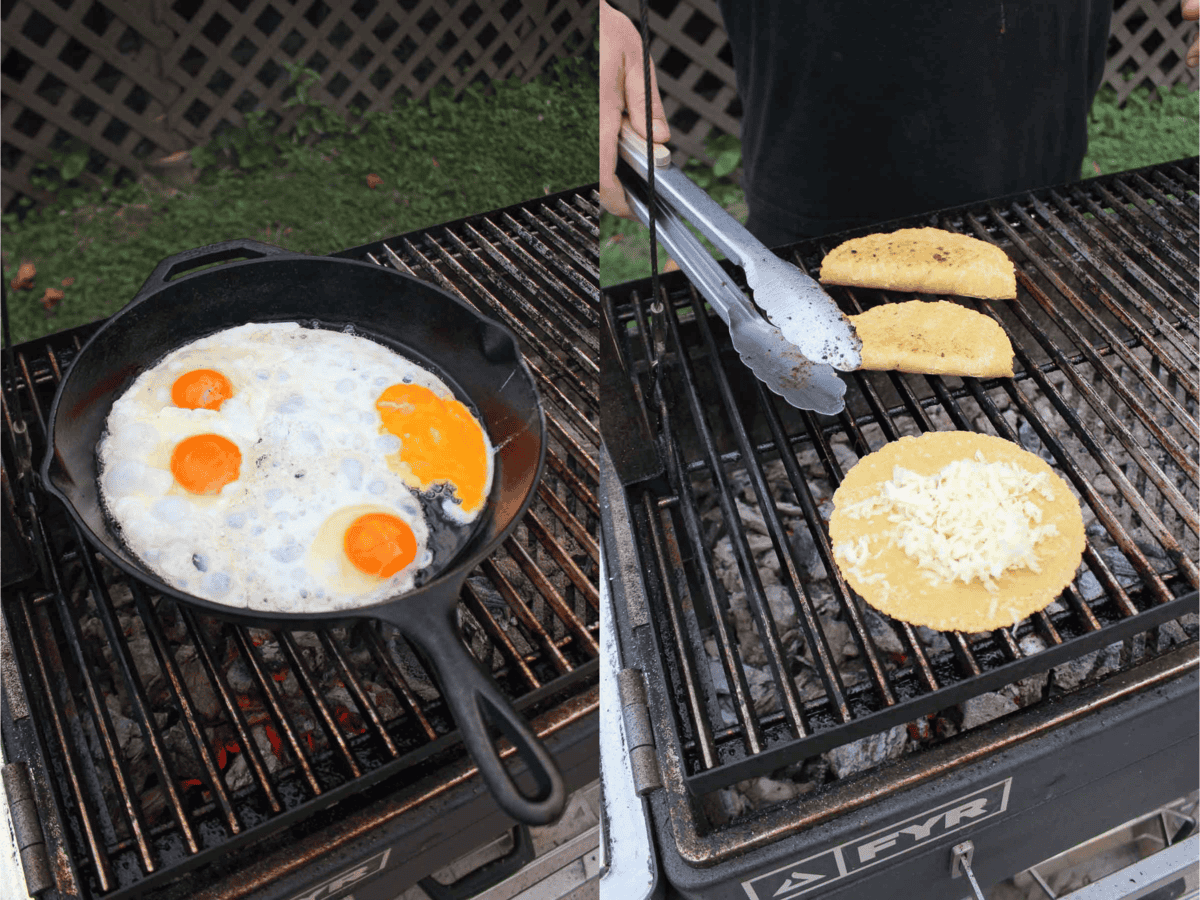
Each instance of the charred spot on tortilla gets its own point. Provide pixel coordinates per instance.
(924, 260)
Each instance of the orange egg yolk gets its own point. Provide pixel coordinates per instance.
(440, 440)
(205, 463)
(201, 389)
(379, 544)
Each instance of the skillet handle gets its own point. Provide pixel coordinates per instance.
(475, 703)
(242, 248)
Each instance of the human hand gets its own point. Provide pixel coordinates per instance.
(622, 87)
(1191, 11)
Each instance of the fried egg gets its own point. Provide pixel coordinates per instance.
(278, 468)
(440, 443)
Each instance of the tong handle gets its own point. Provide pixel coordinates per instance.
(679, 192)
(637, 145)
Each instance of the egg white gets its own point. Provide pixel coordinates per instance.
(304, 419)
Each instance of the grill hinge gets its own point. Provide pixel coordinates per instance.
(27, 828)
(642, 757)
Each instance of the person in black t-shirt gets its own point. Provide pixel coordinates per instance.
(856, 113)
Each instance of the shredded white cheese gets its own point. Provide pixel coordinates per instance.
(970, 520)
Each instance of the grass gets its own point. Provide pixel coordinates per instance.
(1146, 130)
(438, 160)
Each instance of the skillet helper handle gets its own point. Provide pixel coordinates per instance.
(242, 248)
(475, 703)
(687, 199)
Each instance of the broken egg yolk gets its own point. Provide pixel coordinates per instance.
(440, 441)
(380, 545)
(205, 463)
(201, 389)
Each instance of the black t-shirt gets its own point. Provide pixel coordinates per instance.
(859, 112)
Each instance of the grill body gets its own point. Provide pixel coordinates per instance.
(133, 713)
(748, 676)
(1033, 786)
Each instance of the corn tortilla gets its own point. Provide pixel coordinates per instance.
(904, 592)
(925, 260)
(939, 338)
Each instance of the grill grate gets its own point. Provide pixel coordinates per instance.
(759, 676)
(174, 740)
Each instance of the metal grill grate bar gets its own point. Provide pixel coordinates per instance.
(1124, 316)
(710, 599)
(570, 299)
(530, 621)
(756, 596)
(1091, 318)
(182, 697)
(1173, 191)
(478, 608)
(496, 307)
(682, 646)
(70, 756)
(308, 684)
(811, 620)
(561, 246)
(1112, 221)
(1114, 345)
(99, 714)
(1105, 411)
(274, 705)
(1111, 250)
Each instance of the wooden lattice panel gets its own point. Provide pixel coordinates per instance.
(1148, 41)
(80, 72)
(695, 71)
(367, 52)
(135, 82)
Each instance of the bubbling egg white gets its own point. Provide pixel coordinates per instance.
(315, 463)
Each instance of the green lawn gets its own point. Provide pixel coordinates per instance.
(438, 160)
(1145, 131)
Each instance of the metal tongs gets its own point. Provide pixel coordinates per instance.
(807, 336)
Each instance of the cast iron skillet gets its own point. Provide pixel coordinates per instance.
(476, 356)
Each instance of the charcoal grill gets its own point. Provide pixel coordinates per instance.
(758, 660)
(170, 755)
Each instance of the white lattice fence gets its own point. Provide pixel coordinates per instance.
(695, 71)
(80, 72)
(137, 81)
(1148, 42)
(367, 52)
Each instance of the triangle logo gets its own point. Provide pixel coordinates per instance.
(803, 879)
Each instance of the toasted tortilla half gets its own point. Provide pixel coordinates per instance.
(891, 582)
(938, 338)
(925, 260)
